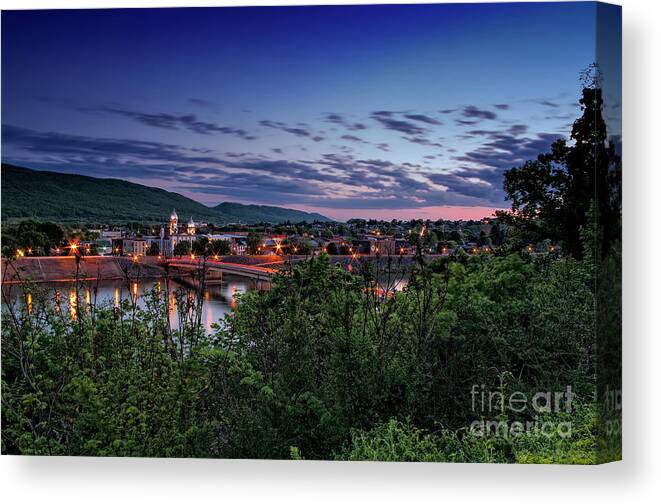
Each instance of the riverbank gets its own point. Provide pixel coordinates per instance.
(65, 269)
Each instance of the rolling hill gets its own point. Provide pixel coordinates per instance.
(66, 198)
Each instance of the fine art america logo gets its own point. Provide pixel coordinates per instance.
(496, 404)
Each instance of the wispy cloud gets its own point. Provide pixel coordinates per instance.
(341, 120)
(329, 181)
(423, 118)
(353, 138)
(203, 103)
(298, 130)
(471, 111)
(387, 121)
(171, 121)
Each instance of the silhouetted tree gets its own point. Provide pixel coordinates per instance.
(221, 247)
(153, 249)
(201, 246)
(252, 242)
(552, 195)
(182, 248)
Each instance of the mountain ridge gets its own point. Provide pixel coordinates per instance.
(63, 197)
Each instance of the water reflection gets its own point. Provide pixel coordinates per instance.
(218, 299)
(73, 305)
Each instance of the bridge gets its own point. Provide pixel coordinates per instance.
(215, 269)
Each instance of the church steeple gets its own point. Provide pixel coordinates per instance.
(174, 222)
(191, 227)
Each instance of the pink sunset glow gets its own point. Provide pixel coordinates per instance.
(430, 212)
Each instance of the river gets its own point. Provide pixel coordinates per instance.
(219, 299)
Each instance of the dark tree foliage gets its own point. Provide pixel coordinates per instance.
(201, 246)
(182, 248)
(153, 249)
(552, 195)
(40, 237)
(326, 364)
(253, 241)
(220, 247)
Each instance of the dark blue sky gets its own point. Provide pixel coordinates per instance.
(387, 111)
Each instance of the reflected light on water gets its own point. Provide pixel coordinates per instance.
(73, 305)
(218, 299)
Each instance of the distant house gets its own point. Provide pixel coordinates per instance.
(111, 235)
(103, 246)
(362, 246)
(237, 241)
(129, 246)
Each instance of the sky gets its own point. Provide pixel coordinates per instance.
(389, 112)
